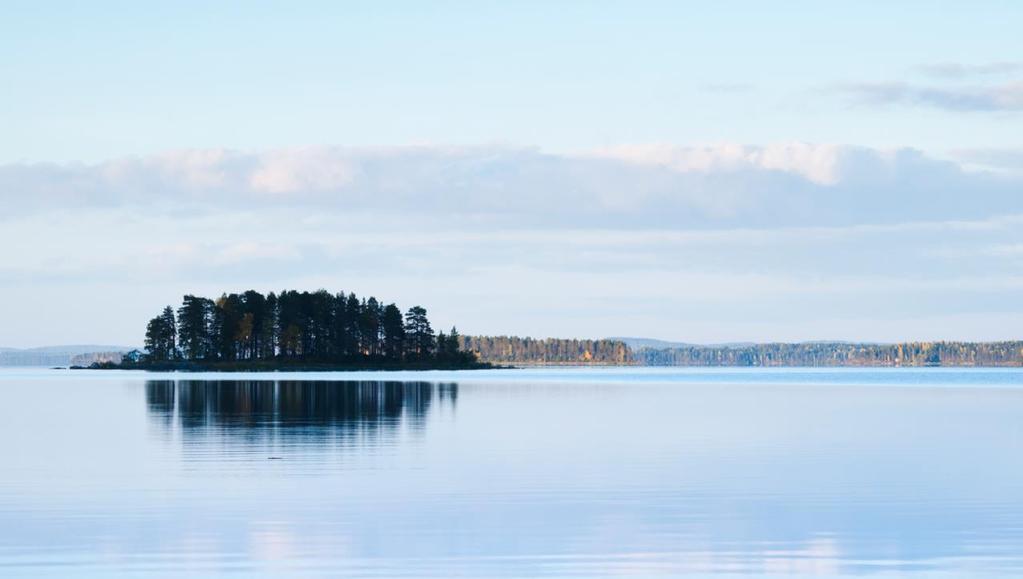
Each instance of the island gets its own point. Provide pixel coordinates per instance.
(324, 331)
(295, 331)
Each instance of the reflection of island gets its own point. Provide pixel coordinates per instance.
(293, 408)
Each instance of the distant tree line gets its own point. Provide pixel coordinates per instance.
(549, 351)
(838, 354)
(321, 328)
(529, 351)
(294, 326)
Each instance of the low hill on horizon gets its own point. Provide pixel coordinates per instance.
(70, 348)
(60, 355)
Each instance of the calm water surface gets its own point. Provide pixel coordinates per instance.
(724, 473)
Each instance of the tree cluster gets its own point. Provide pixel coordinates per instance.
(299, 326)
(839, 354)
(549, 351)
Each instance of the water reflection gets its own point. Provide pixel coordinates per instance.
(296, 409)
(529, 478)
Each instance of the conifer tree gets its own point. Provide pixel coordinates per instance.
(419, 335)
(161, 334)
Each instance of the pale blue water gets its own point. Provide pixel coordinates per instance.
(531, 473)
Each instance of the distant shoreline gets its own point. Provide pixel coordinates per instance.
(267, 366)
(523, 366)
(482, 352)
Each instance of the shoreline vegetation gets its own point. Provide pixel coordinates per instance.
(321, 331)
(1006, 354)
(637, 352)
(282, 366)
(298, 331)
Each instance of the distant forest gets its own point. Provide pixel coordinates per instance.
(323, 330)
(549, 351)
(838, 354)
(316, 329)
(612, 352)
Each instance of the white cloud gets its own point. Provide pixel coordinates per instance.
(709, 243)
(636, 186)
(816, 163)
(1006, 97)
(1005, 161)
(957, 70)
(301, 171)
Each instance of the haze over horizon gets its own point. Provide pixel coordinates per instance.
(702, 174)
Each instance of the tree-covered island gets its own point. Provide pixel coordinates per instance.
(295, 331)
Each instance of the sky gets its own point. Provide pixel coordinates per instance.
(700, 172)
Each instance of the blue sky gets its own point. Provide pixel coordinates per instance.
(91, 81)
(693, 171)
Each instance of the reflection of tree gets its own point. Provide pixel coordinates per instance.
(160, 401)
(293, 407)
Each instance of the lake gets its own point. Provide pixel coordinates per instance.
(513, 473)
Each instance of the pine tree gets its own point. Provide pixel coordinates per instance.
(394, 332)
(161, 334)
(194, 317)
(419, 335)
